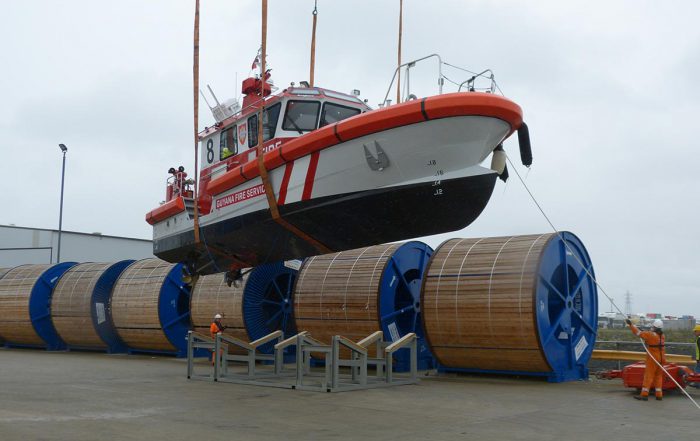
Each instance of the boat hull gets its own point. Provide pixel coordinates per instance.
(340, 222)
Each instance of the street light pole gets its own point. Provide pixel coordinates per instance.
(64, 149)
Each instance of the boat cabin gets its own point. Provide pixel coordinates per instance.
(294, 112)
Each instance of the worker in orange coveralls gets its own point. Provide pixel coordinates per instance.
(696, 332)
(216, 328)
(655, 342)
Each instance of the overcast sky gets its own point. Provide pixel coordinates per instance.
(609, 90)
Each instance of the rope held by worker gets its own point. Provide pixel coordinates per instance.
(588, 273)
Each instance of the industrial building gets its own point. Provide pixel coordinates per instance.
(22, 245)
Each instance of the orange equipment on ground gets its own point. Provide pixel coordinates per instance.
(633, 375)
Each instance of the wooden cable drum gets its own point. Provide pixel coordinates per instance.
(210, 296)
(80, 306)
(358, 292)
(518, 304)
(25, 301)
(3, 271)
(150, 307)
(261, 304)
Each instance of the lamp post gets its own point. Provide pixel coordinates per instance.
(64, 149)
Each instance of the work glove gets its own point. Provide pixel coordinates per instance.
(628, 321)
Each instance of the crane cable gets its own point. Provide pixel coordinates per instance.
(313, 45)
(612, 302)
(269, 191)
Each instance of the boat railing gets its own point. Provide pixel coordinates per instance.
(483, 81)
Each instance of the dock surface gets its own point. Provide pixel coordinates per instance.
(88, 396)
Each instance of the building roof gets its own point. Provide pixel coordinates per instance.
(76, 232)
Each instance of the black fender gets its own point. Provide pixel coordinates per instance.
(525, 147)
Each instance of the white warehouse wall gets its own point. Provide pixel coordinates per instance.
(21, 245)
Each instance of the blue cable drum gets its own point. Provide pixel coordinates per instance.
(355, 293)
(566, 287)
(268, 302)
(399, 300)
(512, 305)
(150, 307)
(174, 309)
(25, 305)
(80, 306)
(100, 307)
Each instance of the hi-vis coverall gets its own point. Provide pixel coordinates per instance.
(214, 329)
(652, 372)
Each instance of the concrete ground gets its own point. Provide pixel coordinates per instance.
(89, 396)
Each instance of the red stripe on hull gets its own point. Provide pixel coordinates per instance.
(285, 182)
(310, 176)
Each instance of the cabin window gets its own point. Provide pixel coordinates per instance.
(335, 112)
(228, 144)
(301, 116)
(253, 131)
(270, 117)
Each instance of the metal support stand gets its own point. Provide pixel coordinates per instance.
(195, 340)
(407, 341)
(251, 357)
(333, 378)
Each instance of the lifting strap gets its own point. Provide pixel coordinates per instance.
(195, 83)
(269, 191)
(313, 46)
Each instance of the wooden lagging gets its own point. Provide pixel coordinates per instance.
(71, 303)
(15, 290)
(478, 303)
(134, 305)
(338, 293)
(212, 296)
(3, 271)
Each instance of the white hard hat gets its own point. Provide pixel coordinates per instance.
(217, 316)
(658, 324)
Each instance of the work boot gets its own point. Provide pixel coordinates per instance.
(659, 398)
(641, 398)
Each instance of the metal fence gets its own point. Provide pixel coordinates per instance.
(671, 348)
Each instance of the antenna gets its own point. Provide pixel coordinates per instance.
(212, 94)
(205, 100)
